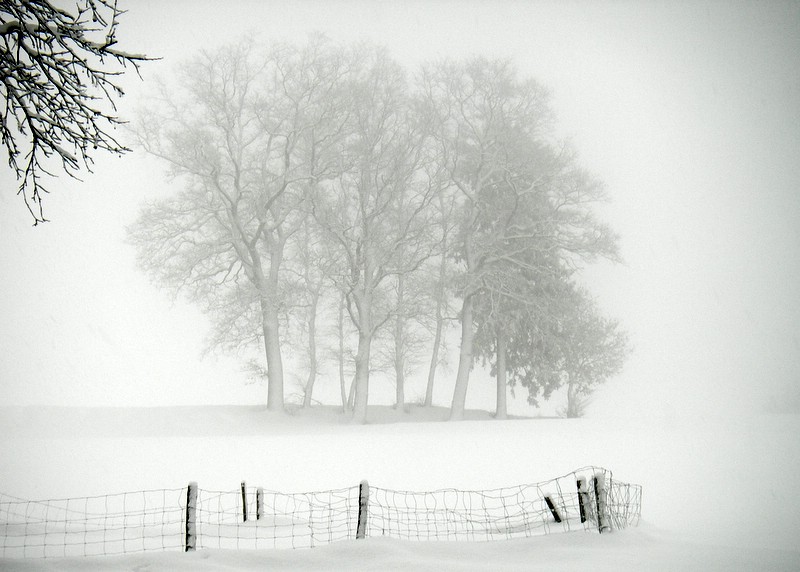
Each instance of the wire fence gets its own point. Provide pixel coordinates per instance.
(89, 526)
(254, 518)
(274, 519)
(624, 504)
(503, 513)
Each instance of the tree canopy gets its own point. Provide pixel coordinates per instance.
(524, 204)
(326, 177)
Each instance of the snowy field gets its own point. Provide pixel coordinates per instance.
(687, 111)
(718, 494)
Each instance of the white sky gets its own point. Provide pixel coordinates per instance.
(690, 112)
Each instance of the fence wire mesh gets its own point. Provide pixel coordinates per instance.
(585, 499)
(88, 526)
(274, 519)
(624, 504)
(502, 513)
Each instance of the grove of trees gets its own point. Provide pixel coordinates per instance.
(326, 192)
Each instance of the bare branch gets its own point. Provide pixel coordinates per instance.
(58, 89)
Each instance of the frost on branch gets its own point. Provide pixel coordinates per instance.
(58, 83)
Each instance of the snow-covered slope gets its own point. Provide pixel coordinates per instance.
(718, 493)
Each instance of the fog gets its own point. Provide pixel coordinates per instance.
(688, 112)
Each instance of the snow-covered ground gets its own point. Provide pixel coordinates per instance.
(637, 549)
(718, 493)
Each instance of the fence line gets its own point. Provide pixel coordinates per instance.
(254, 518)
(287, 520)
(88, 526)
(624, 504)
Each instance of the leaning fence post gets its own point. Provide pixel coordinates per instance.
(363, 509)
(259, 503)
(600, 496)
(552, 507)
(244, 502)
(191, 517)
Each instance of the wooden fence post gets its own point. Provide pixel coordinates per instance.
(552, 508)
(600, 496)
(363, 509)
(191, 517)
(244, 502)
(582, 497)
(259, 503)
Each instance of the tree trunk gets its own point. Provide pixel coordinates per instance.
(464, 362)
(272, 350)
(437, 338)
(399, 342)
(342, 382)
(364, 306)
(572, 401)
(273, 342)
(362, 378)
(351, 394)
(502, 402)
(312, 346)
(437, 341)
(267, 286)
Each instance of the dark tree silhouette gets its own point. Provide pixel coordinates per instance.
(59, 71)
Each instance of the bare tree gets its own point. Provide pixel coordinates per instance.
(594, 349)
(59, 71)
(401, 341)
(553, 336)
(518, 191)
(414, 326)
(246, 133)
(439, 293)
(517, 315)
(375, 212)
(340, 353)
(418, 308)
(316, 262)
